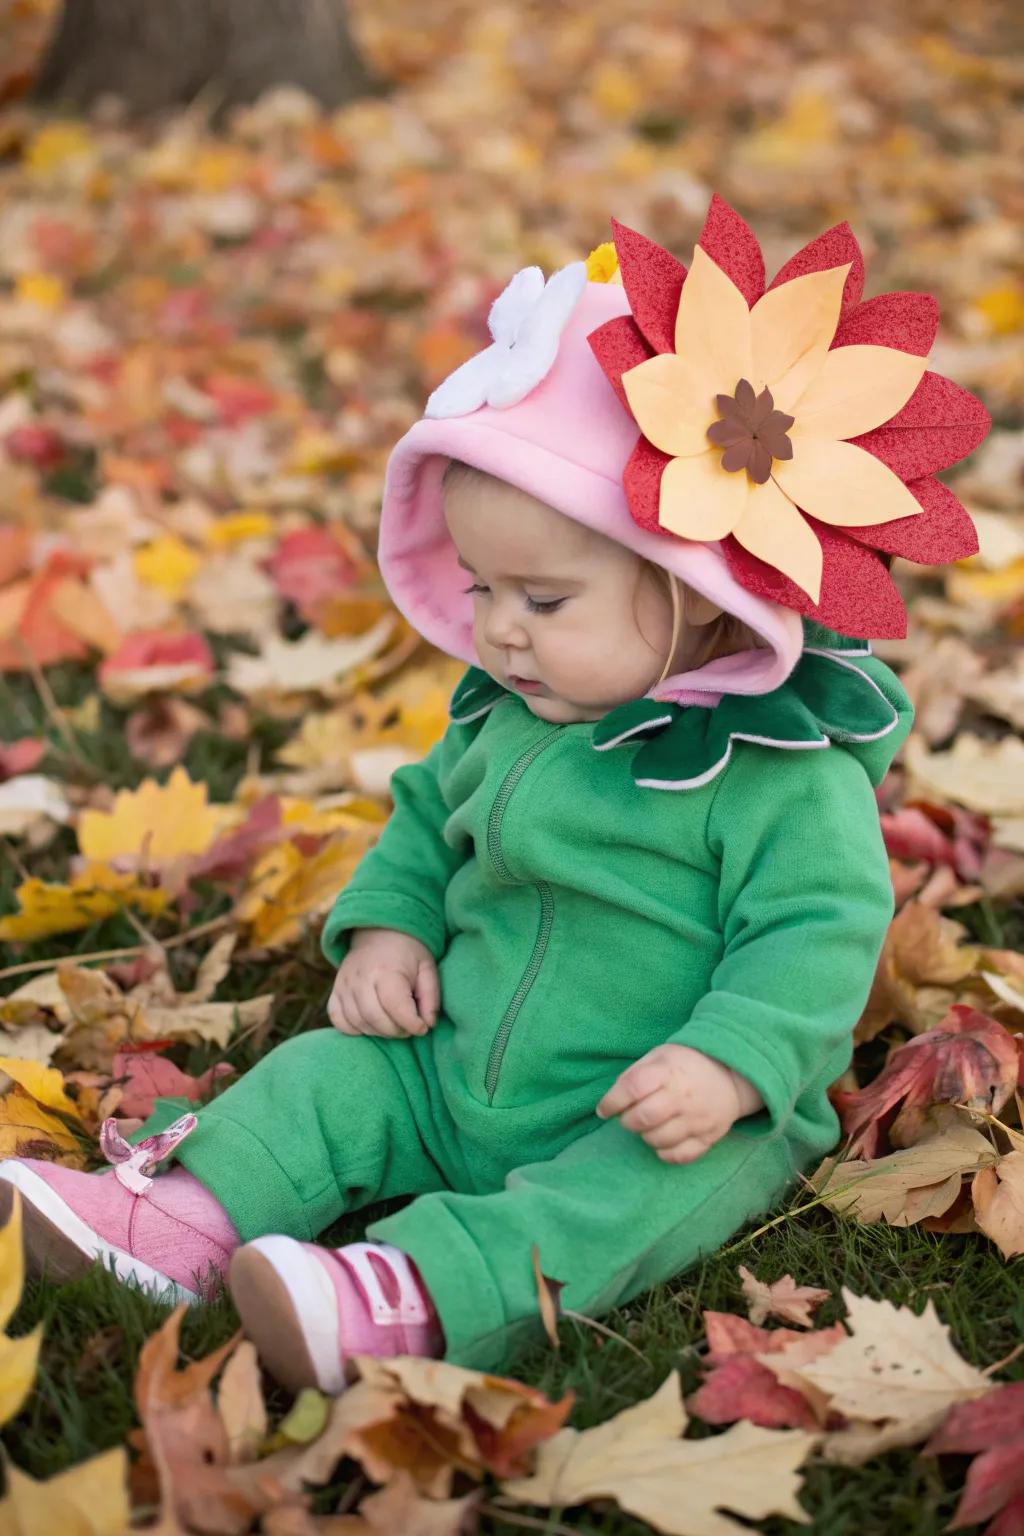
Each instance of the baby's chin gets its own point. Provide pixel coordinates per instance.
(551, 706)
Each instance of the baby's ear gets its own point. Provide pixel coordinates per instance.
(698, 609)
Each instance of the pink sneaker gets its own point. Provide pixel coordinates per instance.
(307, 1309)
(166, 1233)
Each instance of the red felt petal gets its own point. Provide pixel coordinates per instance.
(732, 245)
(619, 345)
(653, 280)
(940, 424)
(858, 596)
(641, 480)
(834, 248)
(943, 532)
(905, 321)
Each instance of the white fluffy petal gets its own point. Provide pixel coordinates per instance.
(465, 390)
(516, 301)
(549, 314)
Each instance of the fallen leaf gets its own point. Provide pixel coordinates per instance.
(923, 952)
(680, 1487)
(896, 1367)
(744, 1382)
(156, 661)
(159, 731)
(968, 1059)
(240, 1404)
(992, 1430)
(90, 1499)
(18, 1357)
(147, 1076)
(985, 776)
(188, 1442)
(910, 1185)
(429, 1419)
(400, 1508)
(783, 1298)
(548, 1293)
(998, 1195)
(94, 893)
(27, 1126)
(29, 802)
(312, 664)
(152, 825)
(288, 886)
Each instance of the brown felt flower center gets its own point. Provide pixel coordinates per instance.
(751, 431)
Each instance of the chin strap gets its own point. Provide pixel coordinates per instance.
(134, 1165)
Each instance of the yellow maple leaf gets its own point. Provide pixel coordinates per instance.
(18, 1357)
(42, 1083)
(167, 563)
(87, 1500)
(152, 824)
(237, 527)
(53, 146)
(41, 288)
(288, 886)
(96, 892)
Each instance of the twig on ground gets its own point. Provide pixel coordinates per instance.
(497, 1511)
(212, 926)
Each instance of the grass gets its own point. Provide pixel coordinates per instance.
(94, 1328)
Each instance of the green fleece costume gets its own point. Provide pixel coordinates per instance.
(714, 877)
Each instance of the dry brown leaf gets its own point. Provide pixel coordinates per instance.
(90, 1499)
(240, 1404)
(922, 958)
(188, 1442)
(429, 1419)
(783, 1298)
(286, 668)
(548, 1294)
(985, 776)
(680, 1487)
(998, 1194)
(896, 1368)
(909, 1185)
(399, 1508)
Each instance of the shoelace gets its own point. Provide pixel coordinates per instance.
(134, 1165)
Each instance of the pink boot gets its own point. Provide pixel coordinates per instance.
(307, 1309)
(167, 1233)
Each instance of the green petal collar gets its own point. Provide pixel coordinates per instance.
(837, 692)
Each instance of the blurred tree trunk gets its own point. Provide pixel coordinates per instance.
(159, 53)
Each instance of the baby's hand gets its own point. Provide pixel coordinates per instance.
(381, 982)
(680, 1101)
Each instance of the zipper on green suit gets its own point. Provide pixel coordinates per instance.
(547, 907)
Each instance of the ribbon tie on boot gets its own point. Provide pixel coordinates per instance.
(134, 1165)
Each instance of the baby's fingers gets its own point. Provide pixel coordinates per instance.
(639, 1080)
(338, 1016)
(650, 1113)
(396, 1002)
(428, 992)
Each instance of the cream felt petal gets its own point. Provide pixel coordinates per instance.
(672, 402)
(713, 326)
(842, 484)
(773, 530)
(791, 330)
(858, 388)
(699, 499)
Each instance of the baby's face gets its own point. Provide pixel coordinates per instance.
(584, 647)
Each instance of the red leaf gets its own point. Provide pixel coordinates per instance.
(967, 1059)
(994, 1427)
(308, 566)
(148, 1077)
(740, 1387)
(20, 756)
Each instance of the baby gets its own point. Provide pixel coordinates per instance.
(596, 976)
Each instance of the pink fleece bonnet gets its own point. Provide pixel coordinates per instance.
(566, 443)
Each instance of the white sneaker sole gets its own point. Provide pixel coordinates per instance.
(52, 1229)
(290, 1312)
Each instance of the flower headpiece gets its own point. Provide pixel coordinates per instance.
(797, 425)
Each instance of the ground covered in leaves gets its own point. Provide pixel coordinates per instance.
(209, 341)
